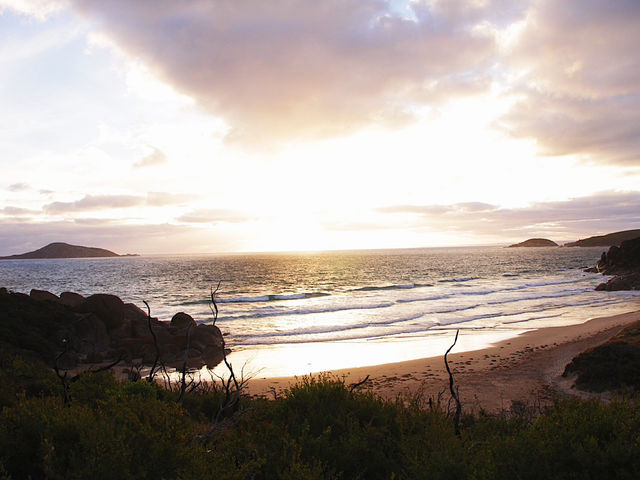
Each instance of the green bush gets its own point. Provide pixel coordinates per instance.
(318, 429)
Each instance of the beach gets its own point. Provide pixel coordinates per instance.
(525, 368)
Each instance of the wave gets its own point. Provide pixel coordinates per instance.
(289, 335)
(311, 310)
(458, 280)
(405, 286)
(273, 297)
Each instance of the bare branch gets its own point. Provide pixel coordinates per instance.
(97, 370)
(454, 393)
(359, 384)
(183, 383)
(63, 378)
(213, 305)
(155, 344)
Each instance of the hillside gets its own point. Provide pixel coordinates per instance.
(608, 240)
(63, 250)
(535, 242)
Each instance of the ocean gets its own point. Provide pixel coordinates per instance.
(296, 313)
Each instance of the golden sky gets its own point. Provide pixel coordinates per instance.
(216, 126)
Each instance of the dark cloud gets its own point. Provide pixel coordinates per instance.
(581, 87)
(601, 213)
(212, 216)
(603, 130)
(286, 68)
(156, 157)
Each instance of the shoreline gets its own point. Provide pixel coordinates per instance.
(525, 368)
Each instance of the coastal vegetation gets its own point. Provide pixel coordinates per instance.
(318, 428)
(612, 366)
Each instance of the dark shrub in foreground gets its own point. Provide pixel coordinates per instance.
(317, 429)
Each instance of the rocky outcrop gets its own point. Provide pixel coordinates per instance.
(535, 242)
(102, 328)
(64, 250)
(607, 240)
(624, 263)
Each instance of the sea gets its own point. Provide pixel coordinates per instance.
(297, 313)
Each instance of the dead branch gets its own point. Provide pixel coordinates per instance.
(63, 378)
(454, 393)
(155, 344)
(213, 305)
(96, 370)
(183, 382)
(358, 384)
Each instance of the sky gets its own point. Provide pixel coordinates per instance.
(201, 126)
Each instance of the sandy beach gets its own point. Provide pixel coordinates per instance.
(525, 368)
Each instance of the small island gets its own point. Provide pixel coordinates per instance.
(535, 242)
(64, 250)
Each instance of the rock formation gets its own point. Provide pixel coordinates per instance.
(102, 328)
(64, 250)
(535, 242)
(608, 240)
(624, 263)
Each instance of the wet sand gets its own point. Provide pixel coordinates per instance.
(525, 368)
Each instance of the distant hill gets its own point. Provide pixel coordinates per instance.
(64, 250)
(608, 240)
(535, 242)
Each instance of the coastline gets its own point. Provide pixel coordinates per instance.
(526, 368)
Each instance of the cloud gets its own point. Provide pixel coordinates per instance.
(95, 202)
(161, 238)
(212, 216)
(603, 212)
(293, 68)
(162, 199)
(109, 202)
(156, 157)
(18, 187)
(18, 211)
(38, 9)
(578, 73)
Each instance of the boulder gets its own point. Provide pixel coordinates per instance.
(109, 308)
(630, 281)
(182, 320)
(90, 335)
(43, 295)
(71, 299)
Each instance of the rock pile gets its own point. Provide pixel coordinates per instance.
(102, 328)
(624, 263)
